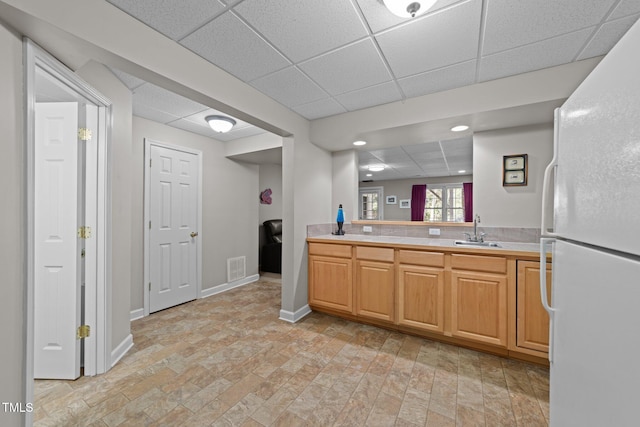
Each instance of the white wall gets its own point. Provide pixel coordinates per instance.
(229, 205)
(500, 206)
(345, 184)
(270, 177)
(12, 227)
(401, 188)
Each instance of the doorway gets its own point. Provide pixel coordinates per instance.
(173, 214)
(370, 206)
(68, 247)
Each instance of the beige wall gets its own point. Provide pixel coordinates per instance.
(229, 205)
(12, 226)
(345, 184)
(500, 206)
(270, 177)
(401, 188)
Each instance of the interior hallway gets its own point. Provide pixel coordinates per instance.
(228, 361)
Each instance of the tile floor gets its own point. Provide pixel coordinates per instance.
(228, 361)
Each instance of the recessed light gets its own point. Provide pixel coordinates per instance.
(459, 128)
(376, 168)
(369, 174)
(462, 171)
(360, 143)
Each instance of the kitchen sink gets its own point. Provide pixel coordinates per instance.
(470, 243)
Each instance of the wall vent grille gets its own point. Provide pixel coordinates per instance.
(236, 268)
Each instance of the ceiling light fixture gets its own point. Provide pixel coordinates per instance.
(220, 124)
(462, 171)
(459, 128)
(376, 168)
(408, 8)
(369, 174)
(360, 143)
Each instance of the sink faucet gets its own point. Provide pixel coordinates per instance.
(475, 237)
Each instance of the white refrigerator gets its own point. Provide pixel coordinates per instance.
(593, 231)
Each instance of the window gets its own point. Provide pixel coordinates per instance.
(370, 206)
(444, 203)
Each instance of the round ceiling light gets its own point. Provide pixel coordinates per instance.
(377, 168)
(220, 124)
(459, 128)
(360, 142)
(408, 8)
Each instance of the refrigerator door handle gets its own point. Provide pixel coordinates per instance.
(544, 243)
(545, 227)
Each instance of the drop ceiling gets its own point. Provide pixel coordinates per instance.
(322, 58)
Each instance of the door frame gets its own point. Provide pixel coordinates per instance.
(380, 191)
(98, 302)
(148, 143)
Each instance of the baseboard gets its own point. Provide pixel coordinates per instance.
(136, 314)
(228, 286)
(122, 349)
(292, 317)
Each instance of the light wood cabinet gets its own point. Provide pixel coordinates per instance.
(375, 290)
(479, 299)
(532, 321)
(375, 283)
(331, 277)
(421, 297)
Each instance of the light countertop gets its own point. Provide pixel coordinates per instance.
(426, 243)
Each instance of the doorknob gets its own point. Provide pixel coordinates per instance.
(194, 233)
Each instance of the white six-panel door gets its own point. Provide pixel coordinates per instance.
(56, 254)
(173, 239)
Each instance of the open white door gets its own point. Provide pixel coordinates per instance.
(56, 253)
(173, 227)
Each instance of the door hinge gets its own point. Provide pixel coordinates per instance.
(150, 162)
(82, 253)
(84, 232)
(84, 134)
(83, 331)
(149, 225)
(149, 286)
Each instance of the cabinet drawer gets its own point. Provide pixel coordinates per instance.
(327, 249)
(488, 264)
(429, 259)
(374, 254)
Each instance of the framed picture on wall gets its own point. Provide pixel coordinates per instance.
(514, 170)
(392, 200)
(405, 204)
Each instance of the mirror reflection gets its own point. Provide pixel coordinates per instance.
(437, 175)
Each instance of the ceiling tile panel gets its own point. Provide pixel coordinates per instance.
(347, 69)
(322, 108)
(233, 46)
(129, 81)
(163, 100)
(379, 18)
(426, 148)
(149, 113)
(438, 80)
(368, 97)
(625, 8)
(173, 18)
(289, 87)
(548, 53)
(511, 23)
(435, 41)
(607, 36)
(301, 29)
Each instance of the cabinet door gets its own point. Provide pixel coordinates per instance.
(532, 331)
(421, 297)
(331, 283)
(479, 307)
(375, 290)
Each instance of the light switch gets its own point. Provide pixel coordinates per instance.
(434, 232)
(367, 229)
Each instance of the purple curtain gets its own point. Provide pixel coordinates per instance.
(467, 195)
(418, 197)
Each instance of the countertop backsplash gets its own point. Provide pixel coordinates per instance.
(494, 234)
